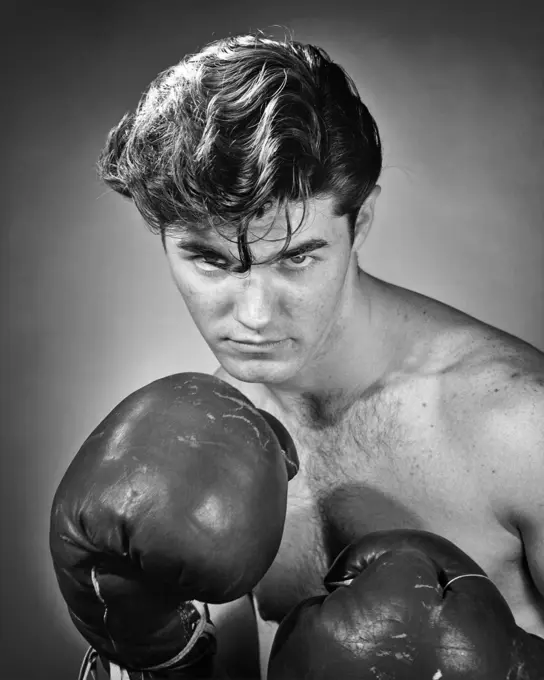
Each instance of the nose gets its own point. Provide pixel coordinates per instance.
(254, 302)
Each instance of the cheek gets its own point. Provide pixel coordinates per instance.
(205, 311)
(307, 309)
(201, 302)
(202, 305)
(318, 298)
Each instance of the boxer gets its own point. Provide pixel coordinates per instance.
(257, 163)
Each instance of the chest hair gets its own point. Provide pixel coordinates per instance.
(343, 440)
(344, 447)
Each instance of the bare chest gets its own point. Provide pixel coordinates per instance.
(381, 468)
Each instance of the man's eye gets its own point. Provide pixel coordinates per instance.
(208, 265)
(299, 261)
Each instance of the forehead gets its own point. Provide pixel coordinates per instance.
(266, 235)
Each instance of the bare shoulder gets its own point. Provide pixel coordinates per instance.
(494, 368)
(461, 347)
(492, 398)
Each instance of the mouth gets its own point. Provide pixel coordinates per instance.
(252, 346)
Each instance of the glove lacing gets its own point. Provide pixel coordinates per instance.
(456, 578)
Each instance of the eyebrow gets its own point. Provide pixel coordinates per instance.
(200, 248)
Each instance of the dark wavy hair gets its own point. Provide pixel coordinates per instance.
(246, 125)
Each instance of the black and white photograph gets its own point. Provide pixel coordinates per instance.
(273, 282)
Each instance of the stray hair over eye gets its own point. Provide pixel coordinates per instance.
(240, 130)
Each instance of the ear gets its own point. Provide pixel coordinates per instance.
(365, 218)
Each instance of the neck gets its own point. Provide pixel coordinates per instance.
(362, 348)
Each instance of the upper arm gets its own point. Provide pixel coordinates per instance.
(516, 431)
(528, 506)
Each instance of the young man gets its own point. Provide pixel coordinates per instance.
(258, 164)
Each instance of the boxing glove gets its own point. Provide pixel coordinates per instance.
(177, 498)
(405, 605)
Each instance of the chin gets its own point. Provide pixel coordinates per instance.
(258, 371)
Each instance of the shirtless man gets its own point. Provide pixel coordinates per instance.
(258, 164)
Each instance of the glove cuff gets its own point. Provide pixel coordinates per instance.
(204, 630)
(202, 644)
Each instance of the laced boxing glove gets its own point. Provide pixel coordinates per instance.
(405, 605)
(177, 498)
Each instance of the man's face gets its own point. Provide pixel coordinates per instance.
(276, 320)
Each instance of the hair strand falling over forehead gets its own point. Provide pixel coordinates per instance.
(245, 126)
